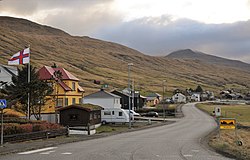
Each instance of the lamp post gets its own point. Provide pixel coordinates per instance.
(163, 97)
(129, 102)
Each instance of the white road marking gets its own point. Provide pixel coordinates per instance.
(188, 155)
(66, 153)
(38, 150)
(195, 150)
(48, 152)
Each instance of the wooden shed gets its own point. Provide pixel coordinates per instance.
(80, 115)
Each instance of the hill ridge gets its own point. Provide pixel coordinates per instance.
(209, 59)
(92, 59)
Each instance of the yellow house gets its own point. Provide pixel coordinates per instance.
(66, 88)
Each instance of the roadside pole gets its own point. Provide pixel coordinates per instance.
(163, 101)
(2, 128)
(3, 104)
(129, 89)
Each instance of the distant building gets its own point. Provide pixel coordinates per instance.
(231, 94)
(207, 95)
(139, 101)
(6, 74)
(196, 97)
(179, 98)
(103, 99)
(153, 99)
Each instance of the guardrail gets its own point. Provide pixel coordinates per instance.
(35, 135)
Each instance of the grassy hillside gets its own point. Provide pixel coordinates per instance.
(209, 59)
(92, 59)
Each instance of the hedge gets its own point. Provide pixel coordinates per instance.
(15, 128)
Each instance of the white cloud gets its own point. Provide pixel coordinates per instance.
(227, 40)
(153, 27)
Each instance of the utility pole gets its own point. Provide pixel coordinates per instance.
(129, 89)
(163, 101)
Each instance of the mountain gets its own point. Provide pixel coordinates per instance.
(92, 59)
(209, 59)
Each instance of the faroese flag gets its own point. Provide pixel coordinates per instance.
(22, 57)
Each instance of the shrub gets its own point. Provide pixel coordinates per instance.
(15, 128)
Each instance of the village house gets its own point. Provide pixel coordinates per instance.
(136, 102)
(6, 74)
(195, 97)
(231, 94)
(153, 99)
(66, 88)
(103, 99)
(179, 98)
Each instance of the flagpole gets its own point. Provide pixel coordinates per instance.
(28, 107)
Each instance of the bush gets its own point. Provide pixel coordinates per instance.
(16, 120)
(15, 128)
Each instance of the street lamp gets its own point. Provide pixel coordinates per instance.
(163, 102)
(129, 103)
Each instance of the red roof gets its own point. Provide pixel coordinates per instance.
(46, 73)
(64, 86)
(80, 89)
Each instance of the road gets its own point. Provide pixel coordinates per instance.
(177, 141)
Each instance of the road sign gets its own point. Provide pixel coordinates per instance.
(217, 111)
(227, 123)
(3, 103)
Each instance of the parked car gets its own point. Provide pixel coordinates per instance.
(133, 114)
(151, 114)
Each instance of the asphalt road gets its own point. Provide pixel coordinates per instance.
(177, 141)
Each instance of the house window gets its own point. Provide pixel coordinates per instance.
(73, 117)
(113, 112)
(66, 101)
(120, 113)
(59, 102)
(80, 100)
(107, 113)
(90, 116)
(73, 86)
(73, 101)
(95, 116)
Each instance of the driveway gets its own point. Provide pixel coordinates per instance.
(180, 140)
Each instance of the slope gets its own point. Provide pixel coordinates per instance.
(92, 59)
(209, 59)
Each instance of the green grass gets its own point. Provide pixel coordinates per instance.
(240, 112)
(111, 128)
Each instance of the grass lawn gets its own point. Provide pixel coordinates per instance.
(227, 141)
(240, 112)
(111, 128)
(120, 127)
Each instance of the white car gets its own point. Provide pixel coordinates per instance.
(133, 113)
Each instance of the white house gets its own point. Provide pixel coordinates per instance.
(6, 74)
(179, 98)
(196, 97)
(103, 99)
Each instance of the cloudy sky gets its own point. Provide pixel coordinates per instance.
(154, 27)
